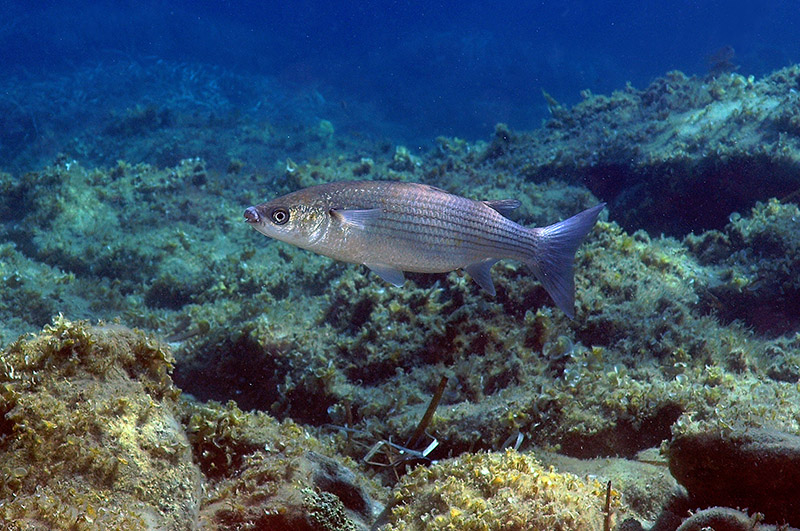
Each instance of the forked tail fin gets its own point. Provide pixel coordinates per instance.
(555, 253)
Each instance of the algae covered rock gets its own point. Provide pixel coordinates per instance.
(94, 435)
(676, 156)
(508, 491)
(89, 436)
(666, 329)
(727, 519)
(755, 468)
(265, 474)
(748, 263)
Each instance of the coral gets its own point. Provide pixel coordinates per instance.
(507, 490)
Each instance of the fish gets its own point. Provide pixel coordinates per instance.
(395, 227)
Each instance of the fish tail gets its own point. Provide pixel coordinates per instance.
(553, 260)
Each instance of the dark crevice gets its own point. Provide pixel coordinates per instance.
(679, 198)
(239, 370)
(626, 438)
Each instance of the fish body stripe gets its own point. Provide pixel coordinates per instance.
(424, 229)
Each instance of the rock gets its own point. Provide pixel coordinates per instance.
(726, 519)
(754, 468)
(494, 491)
(89, 433)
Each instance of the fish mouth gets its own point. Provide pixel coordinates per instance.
(252, 216)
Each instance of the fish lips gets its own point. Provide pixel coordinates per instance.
(253, 216)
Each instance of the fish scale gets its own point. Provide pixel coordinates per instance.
(468, 230)
(483, 232)
(393, 227)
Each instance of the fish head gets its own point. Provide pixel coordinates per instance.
(289, 219)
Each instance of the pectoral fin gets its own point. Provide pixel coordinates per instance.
(388, 273)
(356, 218)
(482, 275)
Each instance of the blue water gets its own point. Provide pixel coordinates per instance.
(405, 70)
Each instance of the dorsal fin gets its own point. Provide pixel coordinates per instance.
(504, 206)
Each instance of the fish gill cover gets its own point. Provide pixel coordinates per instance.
(165, 367)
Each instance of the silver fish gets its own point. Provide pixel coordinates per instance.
(393, 227)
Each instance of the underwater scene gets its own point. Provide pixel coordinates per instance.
(398, 266)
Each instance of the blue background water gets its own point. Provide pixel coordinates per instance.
(421, 69)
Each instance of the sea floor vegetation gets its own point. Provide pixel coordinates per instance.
(166, 367)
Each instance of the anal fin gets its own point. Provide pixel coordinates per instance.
(482, 275)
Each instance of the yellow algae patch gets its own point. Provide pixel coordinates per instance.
(489, 491)
(90, 437)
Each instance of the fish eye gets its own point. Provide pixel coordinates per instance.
(279, 216)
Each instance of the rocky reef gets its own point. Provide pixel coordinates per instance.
(202, 376)
(91, 436)
(96, 436)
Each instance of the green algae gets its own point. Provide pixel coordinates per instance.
(575, 386)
